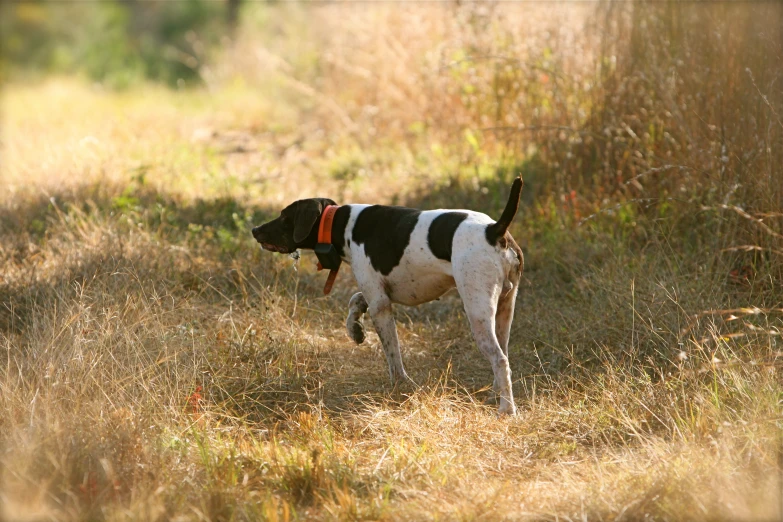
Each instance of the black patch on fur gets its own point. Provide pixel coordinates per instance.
(440, 236)
(385, 233)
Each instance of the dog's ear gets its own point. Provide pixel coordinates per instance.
(306, 216)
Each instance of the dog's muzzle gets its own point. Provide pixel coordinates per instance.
(259, 236)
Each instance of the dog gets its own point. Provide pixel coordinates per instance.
(408, 256)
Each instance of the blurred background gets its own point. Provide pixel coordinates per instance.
(591, 101)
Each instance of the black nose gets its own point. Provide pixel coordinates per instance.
(257, 232)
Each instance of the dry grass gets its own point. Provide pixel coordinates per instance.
(159, 366)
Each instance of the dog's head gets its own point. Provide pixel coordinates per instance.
(297, 226)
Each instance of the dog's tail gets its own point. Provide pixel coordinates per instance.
(498, 230)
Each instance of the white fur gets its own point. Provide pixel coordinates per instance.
(486, 276)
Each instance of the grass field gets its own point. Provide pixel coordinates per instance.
(158, 365)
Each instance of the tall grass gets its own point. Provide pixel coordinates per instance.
(155, 365)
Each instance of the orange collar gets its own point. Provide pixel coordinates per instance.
(325, 250)
(325, 228)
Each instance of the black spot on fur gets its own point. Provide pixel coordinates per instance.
(440, 236)
(385, 233)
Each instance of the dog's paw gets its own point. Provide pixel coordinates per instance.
(356, 332)
(357, 307)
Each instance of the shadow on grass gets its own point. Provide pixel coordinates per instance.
(215, 229)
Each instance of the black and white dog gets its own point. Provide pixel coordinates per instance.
(408, 256)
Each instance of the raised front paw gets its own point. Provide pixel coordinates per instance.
(356, 332)
(357, 307)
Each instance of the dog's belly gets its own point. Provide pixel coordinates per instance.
(414, 289)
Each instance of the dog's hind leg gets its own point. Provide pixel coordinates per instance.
(508, 294)
(483, 329)
(357, 307)
(503, 318)
(508, 297)
(480, 287)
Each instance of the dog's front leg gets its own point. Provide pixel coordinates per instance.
(383, 319)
